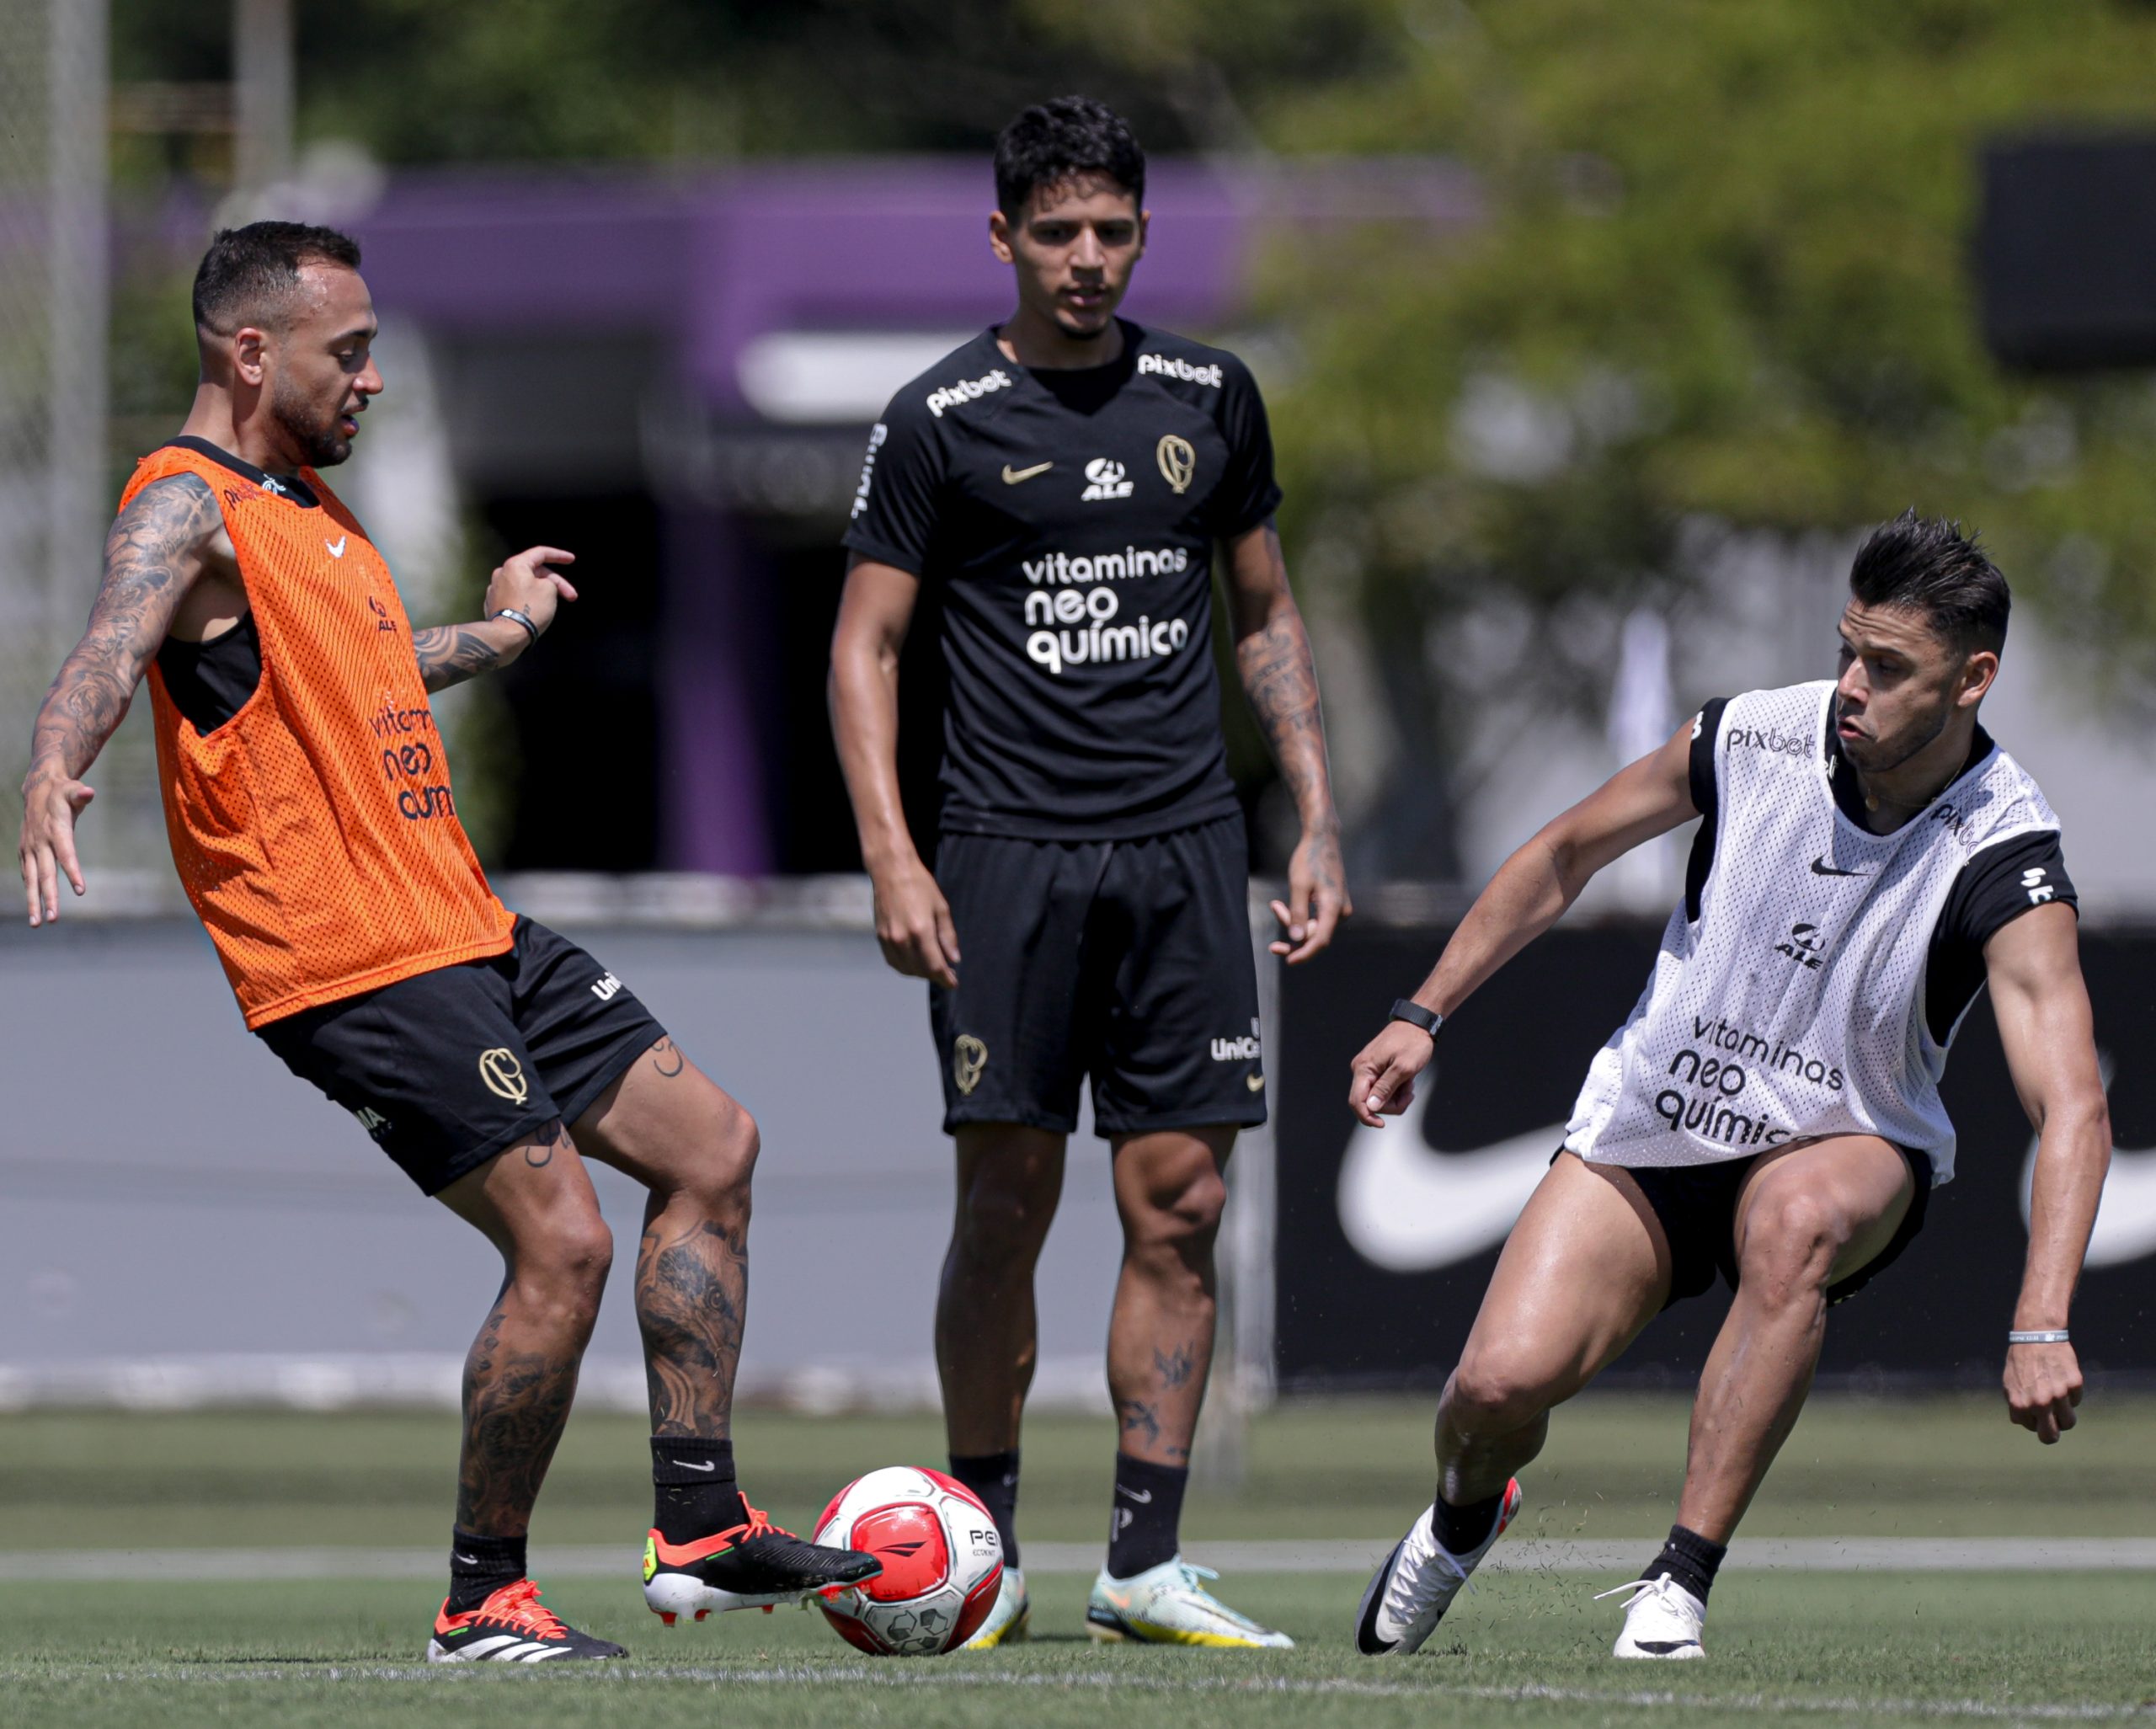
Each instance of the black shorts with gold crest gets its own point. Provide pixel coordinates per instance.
(445, 1069)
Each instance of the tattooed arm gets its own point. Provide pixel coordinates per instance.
(450, 654)
(1273, 654)
(155, 554)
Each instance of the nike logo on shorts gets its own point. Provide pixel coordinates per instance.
(1011, 476)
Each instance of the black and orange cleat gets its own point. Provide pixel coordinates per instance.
(755, 1565)
(511, 1626)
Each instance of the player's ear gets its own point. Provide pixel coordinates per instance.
(998, 237)
(248, 343)
(1144, 228)
(1977, 673)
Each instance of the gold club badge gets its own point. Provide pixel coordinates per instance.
(503, 1075)
(1178, 461)
(969, 1057)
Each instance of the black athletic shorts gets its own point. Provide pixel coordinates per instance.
(1697, 1206)
(447, 1067)
(1126, 960)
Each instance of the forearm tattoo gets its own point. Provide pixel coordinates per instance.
(450, 654)
(516, 1403)
(147, 556)
(693, 1293)
(1281, 680)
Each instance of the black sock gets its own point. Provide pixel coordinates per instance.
(479, 1566)
(994, 1477)
(1459, 1529)
(694, 1488)
(1143, 1531)
(1689, 1559)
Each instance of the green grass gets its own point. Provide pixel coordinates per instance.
(1524, 1651)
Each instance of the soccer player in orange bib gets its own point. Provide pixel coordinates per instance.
(309, 808)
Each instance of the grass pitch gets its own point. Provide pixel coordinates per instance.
(1524, 1650)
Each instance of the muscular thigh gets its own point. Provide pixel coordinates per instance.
(661, 1119)
(1857, 1186)
(1583, 1270)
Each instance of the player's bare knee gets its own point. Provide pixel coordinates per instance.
(1790, 1243)
(1181, 1221)
(1494, 1391)
(1000, 1223)
(728, 1169)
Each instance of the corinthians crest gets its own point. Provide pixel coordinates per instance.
(969, 1057)
(1178, 461)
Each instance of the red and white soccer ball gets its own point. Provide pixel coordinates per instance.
(942, 1562)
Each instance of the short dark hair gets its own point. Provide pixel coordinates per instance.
(249, 275)
(1928, 565)
(1053, 141)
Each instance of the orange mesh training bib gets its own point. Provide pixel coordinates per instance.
(314, 831)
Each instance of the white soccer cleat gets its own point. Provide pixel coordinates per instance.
(1409, 1595)
(1166, 1605)
(1661, 1620)
(1010, 1622)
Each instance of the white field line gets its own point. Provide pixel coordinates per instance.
(951, 1678)
(1810, 1554)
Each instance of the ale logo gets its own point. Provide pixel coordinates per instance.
(969, 1057)
(503, 1075)
(1178, 461)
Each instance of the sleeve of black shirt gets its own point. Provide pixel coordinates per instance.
(1706, 799)
(1247, 493)
(1995, 887)
(894, 508)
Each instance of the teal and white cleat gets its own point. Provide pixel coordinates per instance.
(1009, 1623)
(1166, 1605)
(1661, 1620)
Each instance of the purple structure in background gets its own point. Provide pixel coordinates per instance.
(707, 267)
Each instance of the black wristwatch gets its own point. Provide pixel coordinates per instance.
(1415, 1015)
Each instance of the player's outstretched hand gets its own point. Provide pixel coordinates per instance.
(528, 584)
(2043, 1384)
(47, 849)
(1317, 897)
(913, 922)
(1382, 1078)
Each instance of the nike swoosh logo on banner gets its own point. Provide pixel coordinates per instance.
(685, 1466)
(337, 546)
(1011, 476)
(2126, 1215)
(1407, 1208)
(1820, 868)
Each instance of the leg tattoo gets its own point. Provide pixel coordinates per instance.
(692, 1291)
(515, 1402)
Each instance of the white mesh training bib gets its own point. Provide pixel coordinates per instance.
(1794, 1006)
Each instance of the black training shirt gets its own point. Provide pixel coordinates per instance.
(1068, 518)
(1995, 887)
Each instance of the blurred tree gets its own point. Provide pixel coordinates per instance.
(1724, 285)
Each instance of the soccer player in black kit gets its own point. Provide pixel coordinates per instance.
(1062, 480)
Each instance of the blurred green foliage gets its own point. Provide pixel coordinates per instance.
(1725, 278)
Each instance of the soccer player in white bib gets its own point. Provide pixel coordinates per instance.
(1868, 861)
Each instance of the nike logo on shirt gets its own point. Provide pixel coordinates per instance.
(1011, 476)
(336, 547)
(1820, 868)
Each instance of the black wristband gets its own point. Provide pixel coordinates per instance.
(1415, 1015)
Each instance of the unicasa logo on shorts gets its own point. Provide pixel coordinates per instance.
(1073, 595)
(967, 390)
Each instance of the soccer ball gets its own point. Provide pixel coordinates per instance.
(942, 1562)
